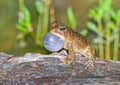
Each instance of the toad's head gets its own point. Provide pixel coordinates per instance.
(59, 29)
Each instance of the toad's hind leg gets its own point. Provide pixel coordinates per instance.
(91, 55)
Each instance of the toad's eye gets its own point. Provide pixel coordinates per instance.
(62, 28)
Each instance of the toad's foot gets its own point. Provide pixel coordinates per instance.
(67, 61)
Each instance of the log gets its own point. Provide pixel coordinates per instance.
(40, 69)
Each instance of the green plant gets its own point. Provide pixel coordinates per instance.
(104, 24)
(73, 22)
(71, 18)
(116, 34)
(24, 26)
(24, 21)
(42, 7)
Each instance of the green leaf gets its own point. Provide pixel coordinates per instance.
(114, 34)
(112, 25)
(84, 32)
(71, 18)
(39, 6)
(113, 15)
(21, 28)
(105, 5)
(100, 12)
(24, 23)
(118, 16)
(92, 13)
(27, 17)
(98, 40)
(91, 26)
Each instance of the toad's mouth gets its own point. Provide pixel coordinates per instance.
(57, 34)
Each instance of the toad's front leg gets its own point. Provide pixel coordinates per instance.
(71, 54)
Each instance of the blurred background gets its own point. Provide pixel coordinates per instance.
(23, 23)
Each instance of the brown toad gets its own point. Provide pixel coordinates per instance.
(74, 42)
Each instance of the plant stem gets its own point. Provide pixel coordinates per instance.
(107, 48)
(39, 29)
(101, 52)
(40, 24)
(116, 43)
(52, 11)
(107, 56)
(42, 27)
(21, 5)
(45, 17)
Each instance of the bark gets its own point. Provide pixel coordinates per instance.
(38, 69)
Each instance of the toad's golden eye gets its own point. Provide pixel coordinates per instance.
(62, 29)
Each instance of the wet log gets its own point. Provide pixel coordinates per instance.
(39, 69)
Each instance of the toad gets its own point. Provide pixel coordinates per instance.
(74, 42)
